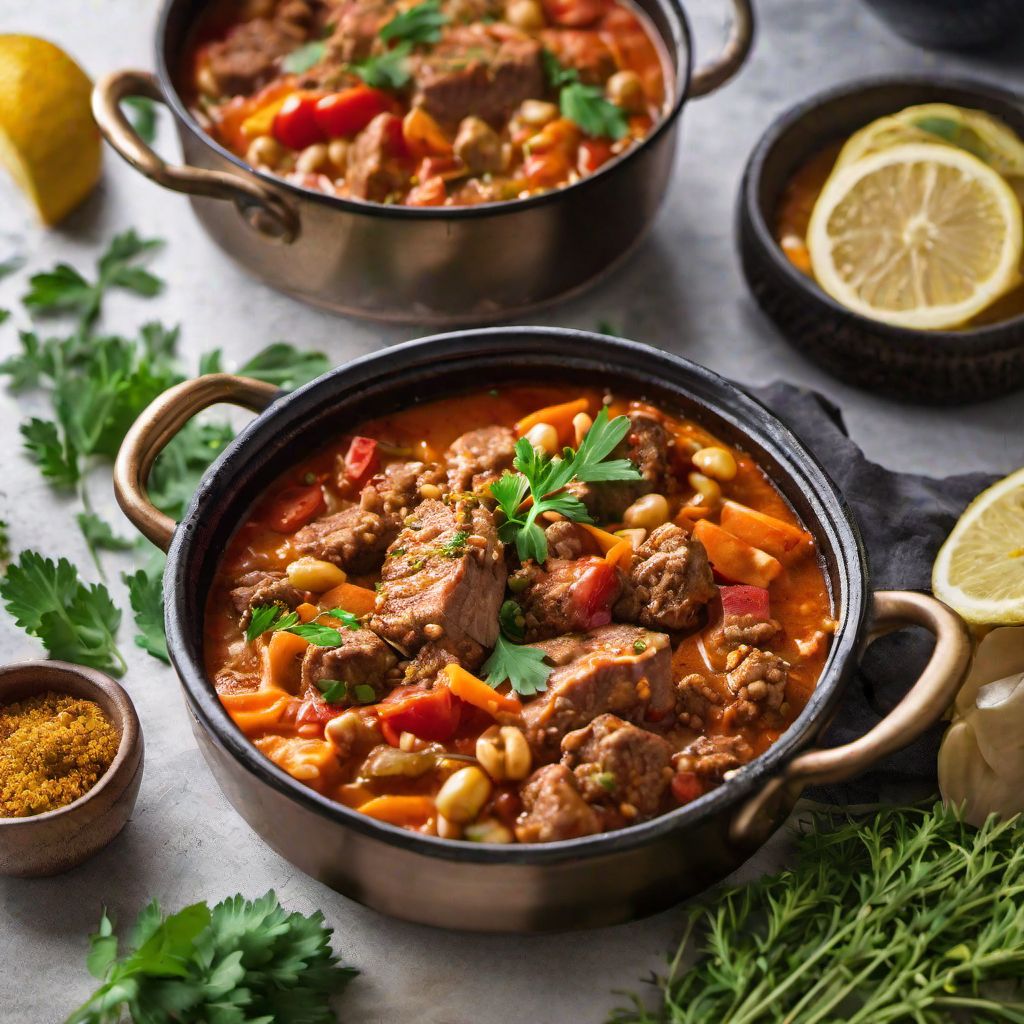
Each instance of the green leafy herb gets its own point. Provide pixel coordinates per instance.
(100, 537)
(512, 621)
(544, 478)
(586, 105)
(285, 365)
(557, 73)
(523, 667)
(275, 619)
(606, 780)
(607, 327)
(306, 56)
(909, 914)
(243, 962)
(35, 361)
(261, 620)
(455, 546)
(639, 646)
(419, 24)
(5, 545)
(51, 451)
(11, 265)
(143, 117)
(389, 70)
(334, 690)
(74, 621)
(348, 619)
(180, 466)
(364, 693)
(146, 592)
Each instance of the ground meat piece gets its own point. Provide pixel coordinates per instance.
(757, 676)
(255, 589)
(553, 808)
(395, 492)
(710, 757)
(376, 168)
(444, 576)
(694, 699)
(619, 669)
(432, 658)
(481, 70)
(669, 581)
(362, 659)
(566, 540)
(584, 50)
(353, 539)
(738, 630)
(479, 457)
(646, 446)
(247, 57)
(619, 763)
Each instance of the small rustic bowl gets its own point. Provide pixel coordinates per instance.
(922, 366)
(56, 841)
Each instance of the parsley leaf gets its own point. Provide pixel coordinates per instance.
(316, 633)
(455, 546)
(389, 70)
(596, 115)
(419, 24)
(261, 619)
(349, 620)
(51, 451)
(181, 465)
(274, 619)
(99, 535)
(304, 57)
(334, 691)
(523, 667)
(143, 117)
(286, 366)
(146, 593)
(61, 290)
(11, 265)
(511, 620)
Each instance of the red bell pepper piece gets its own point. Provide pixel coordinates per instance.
(362, 460)
(593, 593)
(348, 112)
(745, 600)
(293, 507)
(431, 715)
(574, 13)
(592, 154)
(686, 787)
(295, 125)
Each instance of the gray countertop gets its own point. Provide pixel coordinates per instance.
(682, 291)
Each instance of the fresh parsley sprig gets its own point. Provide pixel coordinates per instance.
(523, 667)
(334, 691)
(421, 23)
(586, 105)
(387, 70)
(544, 478)
(272, 618)
(302, 58)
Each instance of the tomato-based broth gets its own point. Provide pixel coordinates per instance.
(468, 640)
(436, 103)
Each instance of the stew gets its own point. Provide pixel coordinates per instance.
(519, 615)
(438, 103)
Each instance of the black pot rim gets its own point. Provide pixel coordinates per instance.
(681, 44)
(737, 408)
(988, 336)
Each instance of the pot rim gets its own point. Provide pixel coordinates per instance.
(680, 43)
(754, 173)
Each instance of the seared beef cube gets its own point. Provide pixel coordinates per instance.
(757, 676)
(745, 617)
(620, 669)
(433, 657)
(584, 50)
(566, 540)
(376, 167)
(444, 577)
(619, 763)
(695, 697)
(256, 589)
(478, 70)
(363, 659)
(354, 539)
(669, 581)
(396, 491)
(553, 808)
(478, 146)
(247, 58)
(476, 459)
(739, 630)
(646, 446)
(356, 25)
(710, 757)
(565, 596)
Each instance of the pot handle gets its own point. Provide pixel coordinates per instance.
(261, 209)
(157, 425)
(716, 72)
(925, 702)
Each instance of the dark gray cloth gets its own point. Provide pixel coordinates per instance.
(903, 519)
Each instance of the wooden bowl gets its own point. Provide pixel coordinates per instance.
(936, 367)
(49, 843)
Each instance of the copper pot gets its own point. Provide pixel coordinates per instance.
(420, 265)
(595, 880)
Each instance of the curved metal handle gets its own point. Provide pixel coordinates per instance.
(262, 210)
(157, 426)
(925, 702)
(716, 72)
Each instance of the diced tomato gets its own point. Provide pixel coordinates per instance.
(593, 593)
(745, 600)
(315, 709)
(431, 715)
(362, 460)
(293, 507)
(296, 124)
(545, 170)
(686, 787)
(345, 113)
(429, 192)
(592, 154)
(574, 13)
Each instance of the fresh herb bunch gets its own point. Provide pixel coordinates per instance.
(908, 915)
(243, 962)
(390, 69)
(523, 667)
(272, 618)
(586, 105)
(544, 479)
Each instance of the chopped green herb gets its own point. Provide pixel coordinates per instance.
(597, 116)
(350, 620)
(389, 70)
(334, 690)
(607, 327)
(274, 619)
(639, 646)
(523, 667)
(364, 693)
(309, 479)
(512, 621)
(261, 619)
(455, 546)
(146, 592)
(606, 780)
(304, 57)
(396, 552)
(419, 24)
(285, 365)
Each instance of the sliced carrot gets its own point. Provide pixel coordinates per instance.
(281, 661)
(735, 559)
(400, 810)
(621, 555)
(559, 416)
(781, 539)
(350, 598)
(307, 612)
(605, 540)
(256, 710)
(475, 691)
(308, 760)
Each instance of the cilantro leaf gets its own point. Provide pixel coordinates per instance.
(286, 366)
(99, 535)
(512, 621)
(261, 619)
(389, 70)
(211, 362)
(350, 620)
(35, 361)
(117, 266)
(591, 463)
(146, 593)
(419, 24)
(334, 691)
(143, 117)
(301, 59)
(102, 948)
(596, 115)
(52, 452)
(274, 619)
(555, 72)
(523, 667)
(317, 634)
(181, 465)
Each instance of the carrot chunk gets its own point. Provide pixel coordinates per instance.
(559, 416)
(350, 598)
(467, 687)
(400, 810)
(780, 539)
(735, 559)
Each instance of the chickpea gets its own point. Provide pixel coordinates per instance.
(708, 490)
(543, 436)
(337, 154)
(430, 491)
(715, 462)
(308, 573)
(488, 831)
(647, 512)
(625, 90)
(463, 795)
(504, 753)
(448, 829)
(527, 15)
(537, 113)
(581, 424)
(312, 159)
(264, 151)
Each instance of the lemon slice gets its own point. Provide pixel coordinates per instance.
(921, 236)
(48, 140)
(979, 571)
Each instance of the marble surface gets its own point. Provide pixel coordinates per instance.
(682, 291)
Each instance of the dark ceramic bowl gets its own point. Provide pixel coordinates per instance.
(953, 24)
(922, 366)
(595, 880)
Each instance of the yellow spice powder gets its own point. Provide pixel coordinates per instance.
(53, 749)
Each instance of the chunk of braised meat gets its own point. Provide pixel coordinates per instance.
(444, 577)
(758, 681)
(478, 146)
(748, 629)
(247, 58)
(361, 659)
(377, 167)
(353, 539)
(694, 699)
(356, 25)
(479, 457)
(483, 71)
(746, 617)
(710, 757)
(566, 540)
(619, 763)
(584, 50)
(565, 596)
(646, 446)
(433, 657)
(669, 581)
(259, 588)
(553, 808)
(396, 491)
(619, 669)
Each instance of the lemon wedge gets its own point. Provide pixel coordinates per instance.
(48, 140)
(979, 571)
(921, 236)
